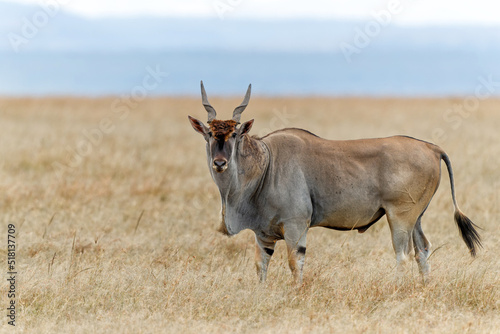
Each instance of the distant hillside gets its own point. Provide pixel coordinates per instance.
(59, 53)
(68, 32)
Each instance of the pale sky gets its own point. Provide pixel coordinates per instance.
(408, 11)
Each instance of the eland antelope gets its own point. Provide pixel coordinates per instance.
(290, 180)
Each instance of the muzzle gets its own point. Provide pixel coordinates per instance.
(219, 165)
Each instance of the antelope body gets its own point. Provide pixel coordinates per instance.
(290, 180)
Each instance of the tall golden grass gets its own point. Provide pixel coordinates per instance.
(125, 241)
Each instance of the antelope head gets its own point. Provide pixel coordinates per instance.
(221, 136)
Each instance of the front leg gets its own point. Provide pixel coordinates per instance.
(264, 249)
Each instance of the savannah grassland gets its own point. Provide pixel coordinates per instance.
(125, 240)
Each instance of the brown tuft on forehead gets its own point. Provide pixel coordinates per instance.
(222, 129)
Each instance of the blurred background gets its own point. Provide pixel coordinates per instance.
(326, 48)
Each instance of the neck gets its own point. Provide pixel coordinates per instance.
(247, 166)
(243, 179)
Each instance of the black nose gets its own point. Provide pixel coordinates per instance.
(219, 163)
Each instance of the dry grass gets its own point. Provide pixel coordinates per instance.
(87, 263)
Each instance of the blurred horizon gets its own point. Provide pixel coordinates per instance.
(80, 49)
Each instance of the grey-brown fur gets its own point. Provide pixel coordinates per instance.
(282, 184)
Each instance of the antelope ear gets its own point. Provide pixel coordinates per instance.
(198, 126)
(245, 127)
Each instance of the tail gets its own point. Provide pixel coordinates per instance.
(465, 225)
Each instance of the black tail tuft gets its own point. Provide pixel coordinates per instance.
(468, 232)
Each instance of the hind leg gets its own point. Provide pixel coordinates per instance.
(422, 249)
(401, 226)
